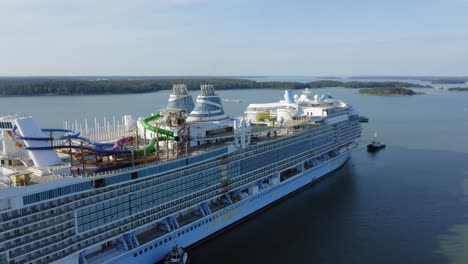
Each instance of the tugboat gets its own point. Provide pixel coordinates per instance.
(375, 144)
(363, 119)
(177, 256)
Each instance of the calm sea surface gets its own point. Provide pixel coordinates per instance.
(405, 204)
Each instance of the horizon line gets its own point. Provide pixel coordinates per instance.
(241, 76)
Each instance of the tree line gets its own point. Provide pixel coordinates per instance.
(81, 87)
(458, 89)
(388, 91)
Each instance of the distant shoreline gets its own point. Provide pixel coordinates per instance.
(389, 91)
(458, 89)
(48, 87)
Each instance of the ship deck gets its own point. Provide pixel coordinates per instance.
(260, 133)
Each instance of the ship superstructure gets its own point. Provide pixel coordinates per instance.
(180, 99)
(208, 107)
(139, 195)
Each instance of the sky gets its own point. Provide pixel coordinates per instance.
(233, 38)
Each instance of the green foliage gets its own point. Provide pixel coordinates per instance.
(356, 84)
(51, 86)
(325, 83)
(450, 81)
(388, 91)
(459, 89)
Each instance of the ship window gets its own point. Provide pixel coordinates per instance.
(100, 183)
(141, 252)
(146, 249)
(160, 243)
(165, 240)
(151, 247)
(135, 254)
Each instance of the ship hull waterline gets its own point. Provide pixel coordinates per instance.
(228, 216)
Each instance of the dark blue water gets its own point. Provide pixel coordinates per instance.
(394, 206)
(405, 204)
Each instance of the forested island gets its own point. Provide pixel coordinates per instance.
(449, 81)
(458, 89)
(34, 87)
(388, 91)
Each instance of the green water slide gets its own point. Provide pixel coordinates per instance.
(147, 149)
(164, 134)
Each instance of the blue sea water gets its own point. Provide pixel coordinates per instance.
(404, 204)
(394, 206)
(436, 120)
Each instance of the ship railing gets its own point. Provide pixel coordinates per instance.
(61, 224)
(23, 158)
(312, 154)
(52, 177)
(302, 121)
(194, 150)
(174, 208)
(41, 213)
(116, 231)
(43, 244)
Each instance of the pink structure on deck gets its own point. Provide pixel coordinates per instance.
(121, 142)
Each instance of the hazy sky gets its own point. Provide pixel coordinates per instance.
(238, 37)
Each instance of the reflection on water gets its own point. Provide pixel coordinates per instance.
(394, 206)
(287, 231)
(454, 244)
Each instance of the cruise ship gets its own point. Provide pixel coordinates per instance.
(129, 193)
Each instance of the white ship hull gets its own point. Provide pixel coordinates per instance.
(152, 251)
(133, 208)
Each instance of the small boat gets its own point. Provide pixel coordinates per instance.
(363, 119)
(176, 256)
(232, 100)
(375, 145)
